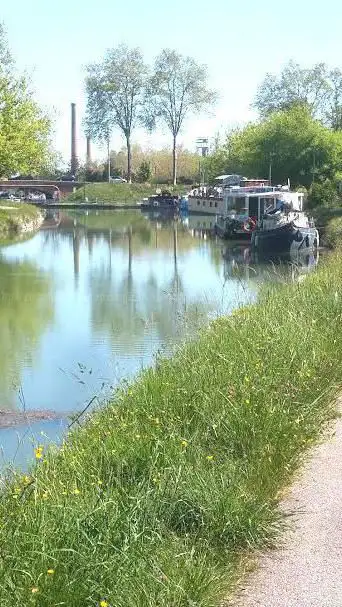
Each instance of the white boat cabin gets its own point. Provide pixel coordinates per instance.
(241, 203)
(253, 199)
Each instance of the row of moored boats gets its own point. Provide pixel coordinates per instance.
(272, 217)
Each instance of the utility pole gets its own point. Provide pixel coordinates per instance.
(270, 171)
(314, 168)
(108, 157)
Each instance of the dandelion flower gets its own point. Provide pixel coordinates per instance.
(50, 571)
(210, 457)
(104, 603)
(39, 452)
(184, 443)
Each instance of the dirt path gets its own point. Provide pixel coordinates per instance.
(307, 570)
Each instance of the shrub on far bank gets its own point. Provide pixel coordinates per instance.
(323, 194)
(333, 233)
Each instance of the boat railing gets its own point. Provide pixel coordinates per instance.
(251, 190)
(206, 196)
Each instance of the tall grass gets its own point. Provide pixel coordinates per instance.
(12, 219)
(154, 500)
(123, 193)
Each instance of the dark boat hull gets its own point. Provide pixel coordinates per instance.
(284, 239)
(158, 203)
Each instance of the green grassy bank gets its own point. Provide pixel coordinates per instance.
(123, 193)
(14, 217)
(155, 499)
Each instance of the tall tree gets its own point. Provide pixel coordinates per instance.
(317, 87)
(24, 128)
(115, 95)
(294, 85)
(178, 88)
(6, 60)
(334, 104)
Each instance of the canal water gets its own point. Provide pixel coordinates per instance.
(94, 296)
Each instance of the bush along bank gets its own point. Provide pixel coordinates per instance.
(154, 500)
(18, 218)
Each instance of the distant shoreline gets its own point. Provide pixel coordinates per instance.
(9, 419)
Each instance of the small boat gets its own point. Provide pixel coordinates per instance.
(163, 200)
(286, 228)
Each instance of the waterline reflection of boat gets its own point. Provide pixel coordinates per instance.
(244, 263)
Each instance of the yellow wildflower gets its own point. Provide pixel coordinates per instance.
(184, 443)
(210, 457)
(76, 491)
(39, 452)
(34, 590)
(50, 571)
(100, 482)
(104, 603)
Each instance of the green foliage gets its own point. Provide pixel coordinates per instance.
(145, 172)
(111, 192)
(333, 233)
(293, 86)
(6, 59)
(24, 129)
(13, 216)
(160, 161)
(25, 312)
(323, 194)
(319, 88)
(150, 503)
(296, 146)
(115, 192)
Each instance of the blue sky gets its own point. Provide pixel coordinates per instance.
(239, 41)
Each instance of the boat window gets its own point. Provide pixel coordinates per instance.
(203, 203)
(211, 204)
(215, 204)
(240, 205)
(253, 206)
(198, 202)
(230, 203)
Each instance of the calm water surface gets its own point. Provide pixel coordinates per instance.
(91, 299)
